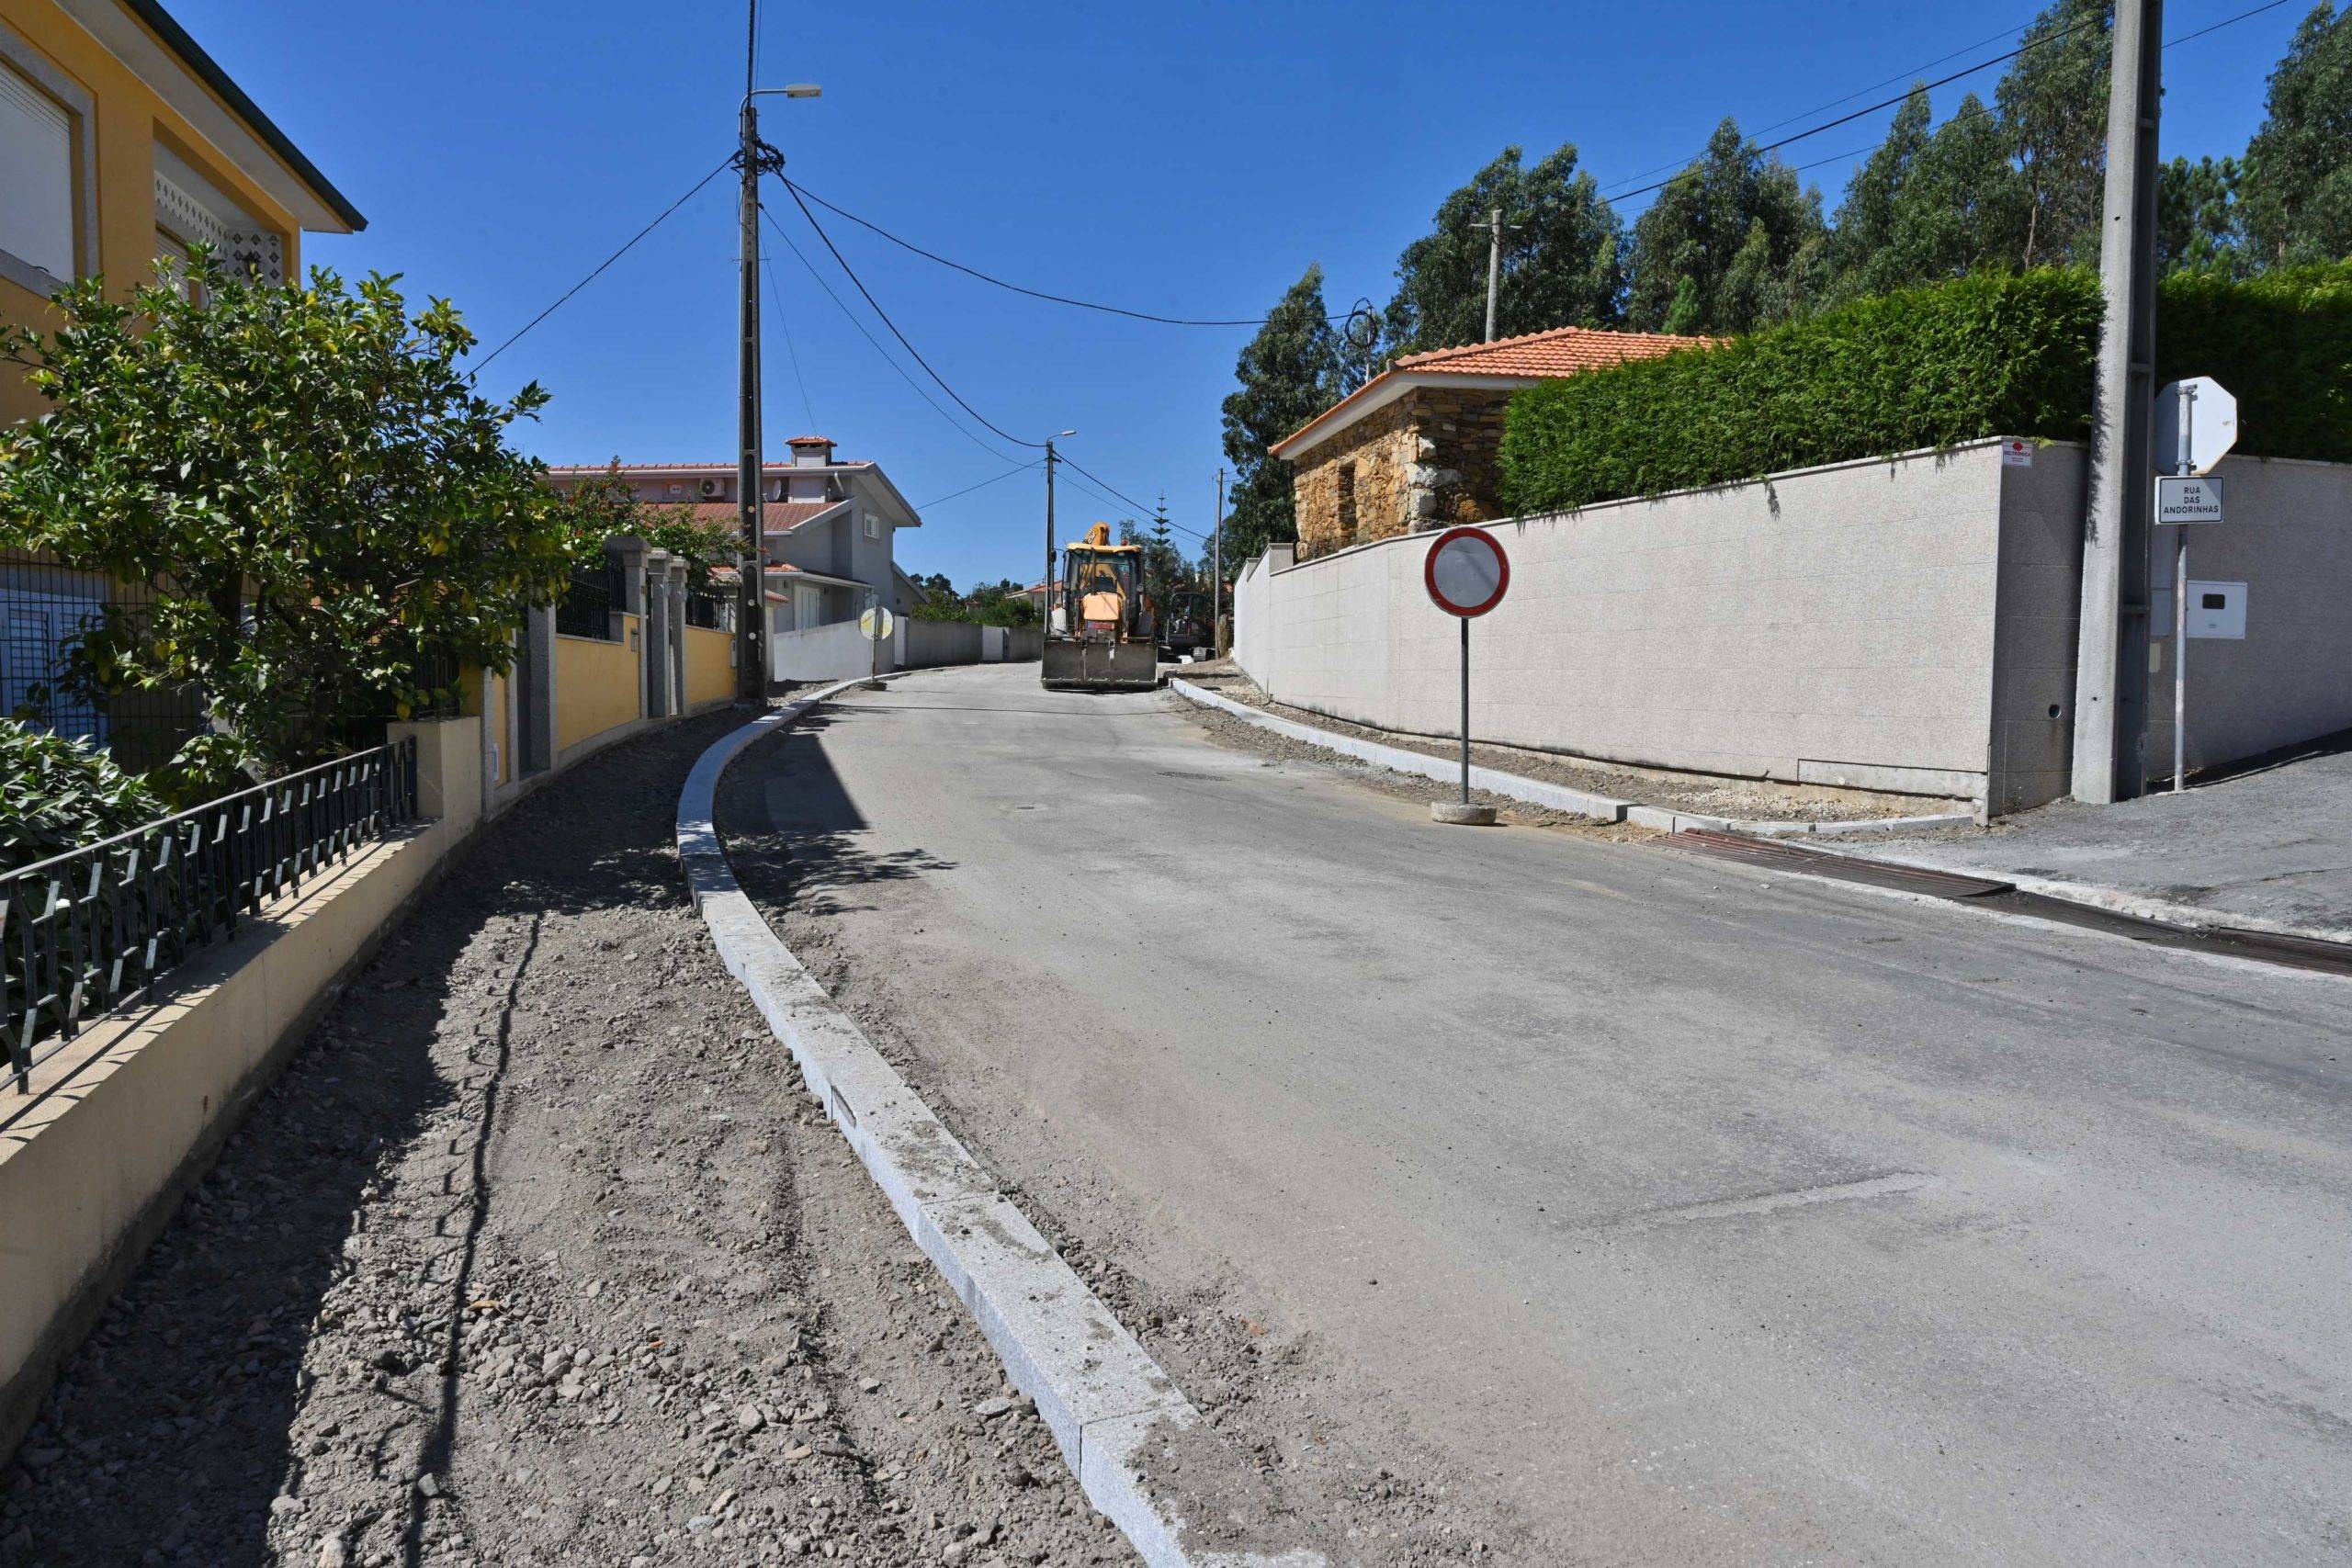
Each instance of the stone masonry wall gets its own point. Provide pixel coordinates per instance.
(1380, 445)
(1429, 460)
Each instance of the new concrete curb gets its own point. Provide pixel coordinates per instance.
(1108, 1404)
(2140, 906)
(1559, 797)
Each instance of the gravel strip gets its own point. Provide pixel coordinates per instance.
(538, 1252)
(1748, 799)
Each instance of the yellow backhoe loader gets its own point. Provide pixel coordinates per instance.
(1100, 635)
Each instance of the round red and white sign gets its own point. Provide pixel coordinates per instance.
(1466, 572)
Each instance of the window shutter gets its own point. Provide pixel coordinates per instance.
(35, 177)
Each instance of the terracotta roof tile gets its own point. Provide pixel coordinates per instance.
(1563, 351)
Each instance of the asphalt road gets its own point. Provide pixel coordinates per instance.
(1672, 1213)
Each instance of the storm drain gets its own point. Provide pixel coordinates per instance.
(2264, 947)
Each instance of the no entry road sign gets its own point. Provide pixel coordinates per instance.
(1467, 572)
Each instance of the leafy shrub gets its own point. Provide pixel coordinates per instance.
(58, 794)
(1991, 355)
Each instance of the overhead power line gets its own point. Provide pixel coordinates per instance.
(775, 297)
(906, 244)
(1140, 509)
(951, 495)
(842, 305)
(904, 342)
(1941, 80)
(600, 266)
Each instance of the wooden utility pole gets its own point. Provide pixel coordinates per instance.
(751, 612)
(1217, 571)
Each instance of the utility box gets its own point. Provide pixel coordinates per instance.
(2216, 610)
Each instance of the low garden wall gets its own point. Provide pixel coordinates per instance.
(710, 668)
(599, 687)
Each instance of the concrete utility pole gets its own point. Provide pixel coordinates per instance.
(2111, 663)
(1494, 265)
(750, 617)
(1046, 610)
(1216, 572)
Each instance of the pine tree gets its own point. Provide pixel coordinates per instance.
(2197, 215)
(1289, 373)
(1559, 260)
(2297, 190)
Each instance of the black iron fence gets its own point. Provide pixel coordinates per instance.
(46, 610)
(93, 929)
(587, 605)
(711, 607)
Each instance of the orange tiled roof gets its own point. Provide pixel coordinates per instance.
(719, 470)
(1562, 351)
(776, 517)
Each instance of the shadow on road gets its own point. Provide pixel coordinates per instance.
(793, 829)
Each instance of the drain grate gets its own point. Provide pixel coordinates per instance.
(1773, 855)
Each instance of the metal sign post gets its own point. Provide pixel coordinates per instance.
(2198, 420)
(876, 624)
(1466, 574)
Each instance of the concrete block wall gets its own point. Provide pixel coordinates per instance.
(2289, 537)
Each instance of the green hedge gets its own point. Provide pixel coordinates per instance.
(58, 794)
(1995, 355)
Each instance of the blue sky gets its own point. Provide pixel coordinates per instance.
(1187, 160)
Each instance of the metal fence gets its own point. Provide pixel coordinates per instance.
(587, 605)
(92, 931)
(711, 607)
(46, 609)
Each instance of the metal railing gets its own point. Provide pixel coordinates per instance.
(93, 929)
(713, 608)
(587, 605)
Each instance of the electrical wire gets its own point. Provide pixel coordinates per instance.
(1126, 499)
(608, 260)
(905, 244)
(877, 306)
(951, 495)
(1999, 58)
(775, 297)
(954, 423)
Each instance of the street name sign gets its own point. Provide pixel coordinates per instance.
(1466, 572)
(2211, 414)
(2188, 498)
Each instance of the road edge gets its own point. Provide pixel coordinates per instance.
(1559, 797)
(1107, 1403)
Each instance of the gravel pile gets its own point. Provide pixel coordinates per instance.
(538, 1252)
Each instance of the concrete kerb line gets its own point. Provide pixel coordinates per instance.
(1106, 1402)
(1559, 797)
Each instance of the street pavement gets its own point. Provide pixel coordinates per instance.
(2275, 845)
(1672, 1211)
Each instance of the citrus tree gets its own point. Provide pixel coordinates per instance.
(325, 511)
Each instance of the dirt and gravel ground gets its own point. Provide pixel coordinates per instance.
(539, 1253)
(1751, 800)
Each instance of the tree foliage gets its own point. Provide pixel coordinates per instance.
(322, 504)
(1733, 242)
(2297, 188)
(1560, 261)
(1289, 373)
(2053, 108)
(58, 794)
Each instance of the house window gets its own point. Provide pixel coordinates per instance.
(873, 526)
(1347, 503)
(38, 133)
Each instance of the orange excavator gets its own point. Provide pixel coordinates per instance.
(1100, 637)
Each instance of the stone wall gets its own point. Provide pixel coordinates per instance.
(1428, 460)
(1380, 445)
(1461, 453)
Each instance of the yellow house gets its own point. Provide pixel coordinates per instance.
(121, 140)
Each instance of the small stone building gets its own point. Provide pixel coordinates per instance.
(1419, 446)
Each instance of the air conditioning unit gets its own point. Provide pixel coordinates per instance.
(713, 489)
